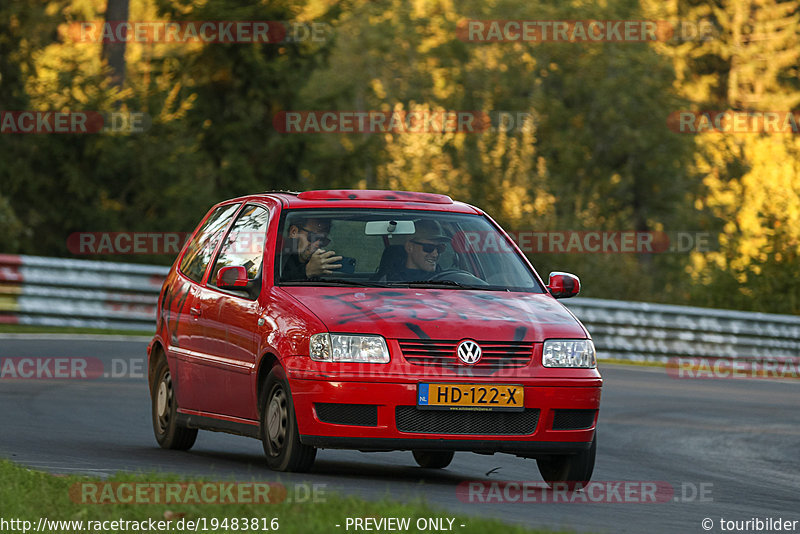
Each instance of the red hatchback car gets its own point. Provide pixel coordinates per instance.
(371, 320)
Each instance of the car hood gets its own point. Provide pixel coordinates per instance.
(440, 313)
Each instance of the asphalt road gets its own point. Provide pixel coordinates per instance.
(736, 440)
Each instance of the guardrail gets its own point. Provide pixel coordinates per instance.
(642, 331)
(79, 293)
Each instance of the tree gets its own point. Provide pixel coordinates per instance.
(114, 52)
(751, 180)
(749, 60)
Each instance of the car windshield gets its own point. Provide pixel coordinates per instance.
(398, 248)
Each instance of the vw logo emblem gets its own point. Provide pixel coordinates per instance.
(468, 352)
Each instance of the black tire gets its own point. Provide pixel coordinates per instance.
(169, 434)
(433, 459)
(574, 471)
(279, 427)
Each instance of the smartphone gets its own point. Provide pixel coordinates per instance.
(348, 264)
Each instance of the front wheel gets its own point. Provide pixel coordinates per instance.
(279, 432)
(169, 434)
(433, 459)
(570, 470)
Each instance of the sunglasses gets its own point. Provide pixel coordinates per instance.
(427, 248)
(313, 237)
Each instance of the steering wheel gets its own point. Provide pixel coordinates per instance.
(458, 276)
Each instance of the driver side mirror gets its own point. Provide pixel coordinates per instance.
(563, 285)
(232, 277)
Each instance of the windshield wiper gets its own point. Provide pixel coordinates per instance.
(429, 283)
(448, 284)
(342, 282)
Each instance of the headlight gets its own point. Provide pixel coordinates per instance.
(569, 353)
(341, 348)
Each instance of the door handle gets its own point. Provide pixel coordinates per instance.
(195, 312)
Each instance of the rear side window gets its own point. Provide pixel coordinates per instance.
(200, 249)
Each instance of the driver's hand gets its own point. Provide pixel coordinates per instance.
(322, 262)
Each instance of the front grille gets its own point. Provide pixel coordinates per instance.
(410, 419)
(573, 419)
(495, 354)
(347, 414)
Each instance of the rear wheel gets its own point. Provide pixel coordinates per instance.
(570, 470)
(433, 459)
(279, 432)
(169, 434)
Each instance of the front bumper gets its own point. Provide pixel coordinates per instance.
(383, 432)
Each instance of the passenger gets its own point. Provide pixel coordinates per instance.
(423, 251)
(306, 258)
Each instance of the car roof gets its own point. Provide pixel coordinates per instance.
(365, 198)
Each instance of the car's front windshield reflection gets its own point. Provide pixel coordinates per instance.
(396, 248)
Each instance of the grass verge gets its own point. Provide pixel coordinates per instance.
(28, 495)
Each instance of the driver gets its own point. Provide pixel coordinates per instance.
(423, 250)
(309, 259)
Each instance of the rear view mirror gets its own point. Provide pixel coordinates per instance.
(563, 285)
(389, 228)
(233, 277)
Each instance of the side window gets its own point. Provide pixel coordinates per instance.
(244, 244)
(199, 252)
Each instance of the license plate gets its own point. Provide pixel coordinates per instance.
(488, 397)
